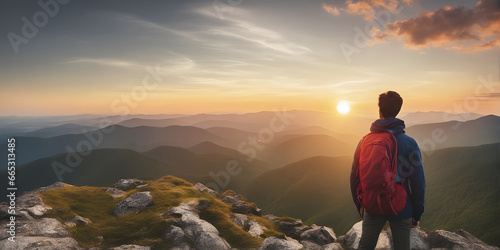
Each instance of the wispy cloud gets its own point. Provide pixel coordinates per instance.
(351, 82)
(228, 38)
(155, 26)
(178, 64)
(490, 95)
(266, 42)
(105, 62)
(453, 28)
(366, 8)
(218, 34)
(249, 32)
(167, 66)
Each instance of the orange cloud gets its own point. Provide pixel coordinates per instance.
(456, 28)
(366, 8)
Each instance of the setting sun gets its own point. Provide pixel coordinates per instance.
(343, 107)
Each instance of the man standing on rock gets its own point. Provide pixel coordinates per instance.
(375, 181)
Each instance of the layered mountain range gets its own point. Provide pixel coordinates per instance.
(293, 163)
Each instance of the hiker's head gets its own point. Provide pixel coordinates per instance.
(389, 104)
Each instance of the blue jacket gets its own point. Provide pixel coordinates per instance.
(410, 168)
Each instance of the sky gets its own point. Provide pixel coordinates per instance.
(61, 57)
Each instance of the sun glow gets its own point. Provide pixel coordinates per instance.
(343, 107)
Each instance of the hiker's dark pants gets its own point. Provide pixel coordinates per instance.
(373, 224)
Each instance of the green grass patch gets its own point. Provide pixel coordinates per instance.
(217, 213)
(108, 230)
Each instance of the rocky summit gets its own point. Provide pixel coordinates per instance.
(171, 213)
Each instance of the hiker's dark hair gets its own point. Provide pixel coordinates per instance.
(389, 104)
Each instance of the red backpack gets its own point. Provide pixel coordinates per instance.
(378, 192)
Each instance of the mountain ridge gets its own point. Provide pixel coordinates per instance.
(484, 130)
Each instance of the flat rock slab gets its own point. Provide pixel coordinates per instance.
(133, 204)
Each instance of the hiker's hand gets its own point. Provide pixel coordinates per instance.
(414, 223)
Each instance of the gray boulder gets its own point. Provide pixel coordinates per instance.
(418, 239)
(184, 246)
(46, 227)
(282, 243)
(351, 239)
(115, 192)
(450, 240)
(134, 203)
(175, 235)
(203, 188)
(131, 247)
(40, 243)
(239, 219)
(24, 215)
(254, 228)
(77, 221)
(127, 184)
(203, 234)
(471, 238)
(319, 235)
(195, 231)
(332, 246)
(4, 211)
(28, 200)
(31, 198)
(239, 203)
(38, 210)
(208, 240)
(310, 245)
(31, 203)
(291, 227)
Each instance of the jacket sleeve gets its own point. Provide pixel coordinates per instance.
(417, 185)
(354, 178)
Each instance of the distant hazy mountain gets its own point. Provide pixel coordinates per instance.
(306, 146)
(37, 122)
(104, 166)
(68, 128)
(210, 165)
(247, 126)
(210, 147)
(436, 117)
(206, 120)
(15, 125)
(11, 126)
(254, 122)
(483, 130)
(139, 139)
(101, 167)
(138, 122)
(317, 130)
(235, 135)
(315, 190)
(176, 156)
